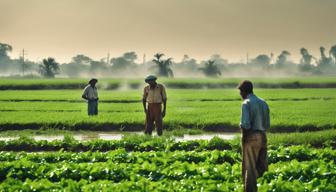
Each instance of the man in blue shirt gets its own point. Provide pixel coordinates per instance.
(255, 120)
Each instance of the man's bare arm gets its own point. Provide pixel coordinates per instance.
(164, 107)
(144, 105)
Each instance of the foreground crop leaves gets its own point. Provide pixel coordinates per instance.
(295, 168)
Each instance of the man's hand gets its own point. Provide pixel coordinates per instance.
(164, 108)
(144, 106)
(84, 97)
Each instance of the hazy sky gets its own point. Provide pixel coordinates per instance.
(199, 28)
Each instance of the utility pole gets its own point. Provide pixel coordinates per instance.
(108, 59)
(23, 62)
(247, 58)
(144, 59)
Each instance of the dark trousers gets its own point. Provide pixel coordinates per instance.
(154, 115)
(254, 162)
(92, 107)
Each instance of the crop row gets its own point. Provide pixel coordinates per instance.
(138, 185)
(299, 176)
(311, 175)
(35, 84)
(168, 166)
(275, 154)
(131, 143)
(145, 143)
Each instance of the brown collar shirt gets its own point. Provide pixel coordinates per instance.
(155, 95)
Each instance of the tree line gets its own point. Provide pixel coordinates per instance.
(215, 66)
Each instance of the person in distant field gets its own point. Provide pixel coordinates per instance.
(90, 94)
(153, 97)
(255, 120)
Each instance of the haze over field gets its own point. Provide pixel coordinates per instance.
(63, 28)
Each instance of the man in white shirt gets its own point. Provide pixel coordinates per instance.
(90, 94)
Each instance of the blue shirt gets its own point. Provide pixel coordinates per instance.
(255, 114)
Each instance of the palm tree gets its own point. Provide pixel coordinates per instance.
(332, 52)
(211, 69)
(282, 58)
(158, 56)
(49, 68)
(306, 57)
(324, 61)
(263, 60)
(4, 49)
(163, 65)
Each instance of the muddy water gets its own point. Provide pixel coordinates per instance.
(119, 135)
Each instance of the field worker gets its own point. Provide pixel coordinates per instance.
(255, 120)
(153, 97)
(90, 94)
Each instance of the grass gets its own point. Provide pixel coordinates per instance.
(298, 161)
(216, 109)
(173, 94)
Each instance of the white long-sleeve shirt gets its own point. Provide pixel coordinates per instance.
(90, 92)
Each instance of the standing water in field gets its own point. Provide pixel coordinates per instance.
(119, 136)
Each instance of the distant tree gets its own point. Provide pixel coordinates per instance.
(79, 64)
(72, 69)
(188, 63)
(333, 53)
(96, 66)
(185, 58)
(127, 60)
(5, 61)
(263, 60)
(306, 60)
(4, 50)
(324, 60)
(218, 59)
(306, 57)
(81, 60)
(157, 57)
(282, 59)
(163, 65)
(130, 56)
(49, 68)
(210, 69)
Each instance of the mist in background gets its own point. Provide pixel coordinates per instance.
(118, 38)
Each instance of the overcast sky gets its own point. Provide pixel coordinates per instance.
(199, 28)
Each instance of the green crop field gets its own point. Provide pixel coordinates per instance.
(301, 140)
(160, 164)
(214, 109)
